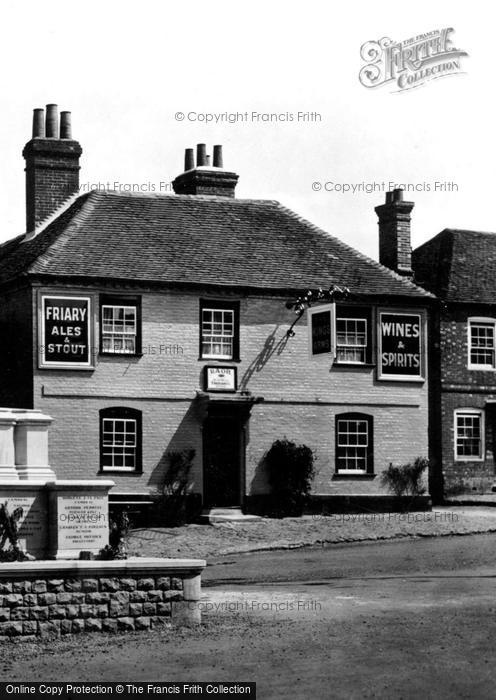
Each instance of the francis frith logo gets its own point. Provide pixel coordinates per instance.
(410, 63)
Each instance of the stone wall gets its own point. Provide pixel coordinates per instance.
(51, 599)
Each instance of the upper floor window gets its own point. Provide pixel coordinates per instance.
(354, 444)
(120, 325)
(481, 343)
(120, 439)
(353, 335)
(219, 336)
(469, 434)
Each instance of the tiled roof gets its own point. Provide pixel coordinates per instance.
(458, 265)
(193, 239)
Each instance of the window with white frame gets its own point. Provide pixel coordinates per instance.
(120, 439)
(481, 343)
(120, 325)
(219, 332)
(469, 434)
(354, 444)
(351, 340)
(119, 329)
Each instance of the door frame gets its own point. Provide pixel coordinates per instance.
(218, 412)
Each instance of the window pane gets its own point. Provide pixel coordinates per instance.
(119, 440)
(468, 435)
(352, 444)
(217, 333)
(351, 340)
(482, 344)
(119, 329)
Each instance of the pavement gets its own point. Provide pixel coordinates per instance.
(265, 534)
(484, 499)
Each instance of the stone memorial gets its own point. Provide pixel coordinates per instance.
(59, 519)
(45, 519)
(32, 526)
(78, 517)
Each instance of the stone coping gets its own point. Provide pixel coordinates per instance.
(58, 484)
(23, 484)
(116, 567)
(77, 483)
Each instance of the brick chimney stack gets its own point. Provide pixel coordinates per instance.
(205, 178)
(395, 247)
(52, 165)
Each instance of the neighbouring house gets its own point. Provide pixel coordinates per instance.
(146, 324)
(460, 268)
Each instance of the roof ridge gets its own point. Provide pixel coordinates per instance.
(338, 241)
(169, 195)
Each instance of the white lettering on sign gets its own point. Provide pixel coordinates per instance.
(393, 359)
(400, 346)
(406, 330)
(62, 313)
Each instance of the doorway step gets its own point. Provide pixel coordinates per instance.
(226, 515)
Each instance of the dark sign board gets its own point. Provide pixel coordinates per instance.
(321, 329)
(65, 332)
(400, 346)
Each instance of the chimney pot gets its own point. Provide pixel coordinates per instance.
(52, 126)
(218, 160)
(201, 155)
(38, 123)
(65, 125)
(210, 181)
(189, 159)
(52, 165)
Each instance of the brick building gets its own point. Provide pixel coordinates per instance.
(459, 267)
(146, 324)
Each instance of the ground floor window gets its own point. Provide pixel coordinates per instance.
(354, 443)
(120, 439)
(469, 434)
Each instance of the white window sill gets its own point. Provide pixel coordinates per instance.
(352, 472)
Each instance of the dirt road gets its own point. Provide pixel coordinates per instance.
(423, 628)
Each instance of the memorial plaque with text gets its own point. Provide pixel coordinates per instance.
(82, 522)
(32, 526)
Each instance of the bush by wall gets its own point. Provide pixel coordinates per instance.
(290, 470)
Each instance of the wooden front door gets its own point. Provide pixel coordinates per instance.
(221, 461)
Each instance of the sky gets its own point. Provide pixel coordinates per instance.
(127, 71)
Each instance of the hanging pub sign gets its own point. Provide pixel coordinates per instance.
(65, 337)
(321, 330)
(400, 346)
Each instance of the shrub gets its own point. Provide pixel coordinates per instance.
(406, 480)
(9, 527)
(119, 527)
(176, 488)
(290, 470)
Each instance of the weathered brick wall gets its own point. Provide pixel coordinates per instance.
(301, 396)
(464, 388)
(51, 607)
(400, 435)
(454, 347)
(473, 475)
